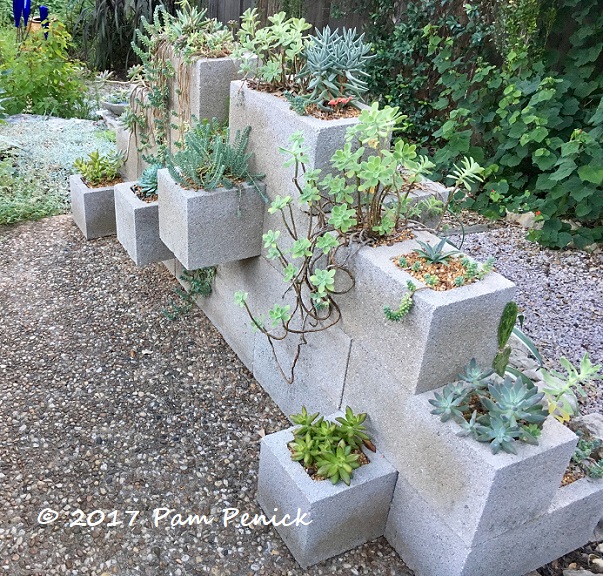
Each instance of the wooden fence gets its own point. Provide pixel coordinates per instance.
(318, 12)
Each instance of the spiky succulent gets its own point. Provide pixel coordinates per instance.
(434, 253)
(306, 422)
(335, 65)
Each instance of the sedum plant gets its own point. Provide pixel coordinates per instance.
(496, 412)
(99, 169)
(328, 449)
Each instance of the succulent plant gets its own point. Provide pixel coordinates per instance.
(352, 429)
(449, 404)
(333, 448)
(474, 375)
(434, 254)
(469, 427)
(99, 169)
(514, 402)
(304, 449)
(306, 422)
(500, 433)
(335, 66)
(148, 181)
(339, 465)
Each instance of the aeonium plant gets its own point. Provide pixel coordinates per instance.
(365, 198)
(330, 450)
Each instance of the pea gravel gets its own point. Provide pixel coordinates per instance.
(105, 404)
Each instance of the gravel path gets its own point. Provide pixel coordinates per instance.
(107, 405)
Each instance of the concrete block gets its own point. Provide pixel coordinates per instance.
(272, 123)
(126, 143)
(201, 89)
(443, 330)
(319, 372)
(93, 209)
(205, 228)
(340, 517)
(229, 318)
(418, 532)
(138, 226)
(479, 495)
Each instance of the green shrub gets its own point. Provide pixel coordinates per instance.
(38, 77)
(537, 125)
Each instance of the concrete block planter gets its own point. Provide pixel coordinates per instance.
(138, 226)
(204, 228)
(200, 89)
(467, 506)
(442, 332)
(93, 209)
(126, 143)
(272, 123)
(429, 546)
(338, 517)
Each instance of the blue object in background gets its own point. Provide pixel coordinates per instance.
(18, 6)
(26, 11)
(44, 19)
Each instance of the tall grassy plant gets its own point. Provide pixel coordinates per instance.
(105, 29)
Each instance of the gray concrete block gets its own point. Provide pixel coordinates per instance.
(319, 372)
(93, 209)
(204, 228)
(272, 123)
(126, 143)
(200, 89)
(418, 532)
(479, 495)
(138, 226)
(443, 330)
(340, 517)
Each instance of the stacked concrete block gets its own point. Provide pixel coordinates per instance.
(138, 226)
(428, 545)
(334, 518)
(199, 89)
(127, 145)
(93, 209)
(466, 505)
(204, 228)
(272, 124)
(442, 332)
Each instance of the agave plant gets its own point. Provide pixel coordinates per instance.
(434, 254)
